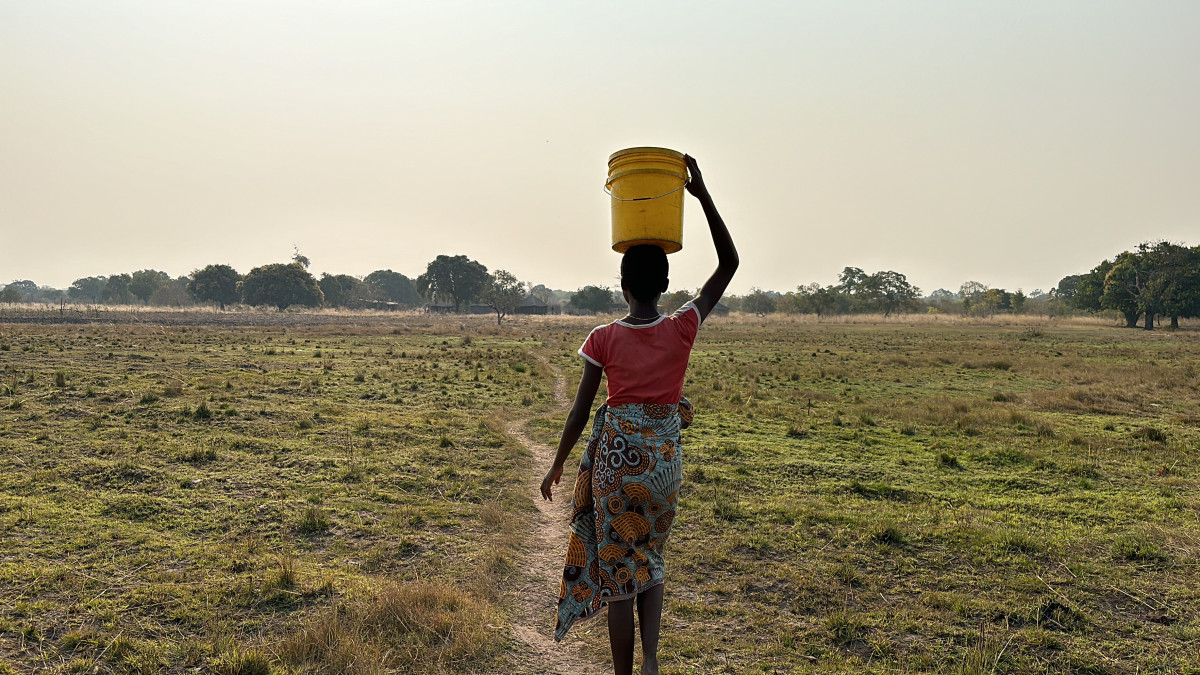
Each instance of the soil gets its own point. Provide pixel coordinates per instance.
(537, 598)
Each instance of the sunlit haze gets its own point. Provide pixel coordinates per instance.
(1010, 143)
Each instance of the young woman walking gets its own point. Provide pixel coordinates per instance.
(625, 496)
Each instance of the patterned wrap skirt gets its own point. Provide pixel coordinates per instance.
(622, 508)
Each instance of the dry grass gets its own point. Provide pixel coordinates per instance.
(418, 627)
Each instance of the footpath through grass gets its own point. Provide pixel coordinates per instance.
(857, 498)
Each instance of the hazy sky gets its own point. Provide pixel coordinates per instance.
(1009, 142)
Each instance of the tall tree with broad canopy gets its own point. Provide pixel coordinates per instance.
(503, 293)
(592, 299)
(143, 283)
(116, 290)
(455, 277)
(342, 290)
(392, 287)
(759, 301)
(215, 283)
(87, 289)
(889, 291)
(282, 285)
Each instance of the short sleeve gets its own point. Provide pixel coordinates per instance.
(594, 347)
(687, 322)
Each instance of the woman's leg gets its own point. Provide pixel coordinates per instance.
(649, 606)
(620, 635)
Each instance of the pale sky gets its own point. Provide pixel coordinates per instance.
(1008, 142)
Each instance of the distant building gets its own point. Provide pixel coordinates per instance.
(480, 309)
(439, 308)
(532, 305)
(720, 309)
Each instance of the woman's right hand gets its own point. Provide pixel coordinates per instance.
(552, 477)
(695, 184)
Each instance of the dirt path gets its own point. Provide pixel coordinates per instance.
(537, 596)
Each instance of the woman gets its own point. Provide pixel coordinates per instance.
(628, 485)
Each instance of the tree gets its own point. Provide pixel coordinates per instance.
(116, 290)
(760, 302)
(10, 295)
(542, 293)
(171, 294)
(1126, 288)
(1018, 301)
(458, 278)
(87, 289)
(215, 283)
(392, 287)
(889, 291)
(592, 299)
(299, 258)
(503, 293)
(143, 283)
(26, 288)
(674, 301)
(824, 301)
(1176, 280)
(281, 285)
(851, 279)
(342, 290)
(971, 293)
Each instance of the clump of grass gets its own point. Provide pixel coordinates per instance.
(1152, 434)
(885, 532)
(360, 375)
(148, 398)
(844, 628)
(60, 378)
(202, 411)
(415, 627)
(445, 441)
(1138, 548)
(948, 460)
(242, 662)
(304, 423)
(200, 454)
(313, 520)
(794, 431)
(519, 367)
(1004, 397)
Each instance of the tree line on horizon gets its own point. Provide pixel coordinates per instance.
(1155, 279)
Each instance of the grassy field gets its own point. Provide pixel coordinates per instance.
(961, 497)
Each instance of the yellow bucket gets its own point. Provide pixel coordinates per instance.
(646, 186)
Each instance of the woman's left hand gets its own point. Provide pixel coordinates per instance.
(552, 477)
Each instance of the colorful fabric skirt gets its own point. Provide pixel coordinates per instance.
(622, 508)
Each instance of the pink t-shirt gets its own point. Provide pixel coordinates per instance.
(646, 363)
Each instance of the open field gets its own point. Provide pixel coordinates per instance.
(948, 496)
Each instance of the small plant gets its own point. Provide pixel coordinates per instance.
(845, 629)
(304, 424)
(886, 532)
(360, 375)
(445, 442)
(1151, 434)
(1138, 547)
(313, 520)
(202, 411)
(148, 398)
(242, 662)
(949, 461)
(199, 455)
(796, 432)
(519, 367)
(60, 378)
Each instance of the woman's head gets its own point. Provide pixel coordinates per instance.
(644, 271)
